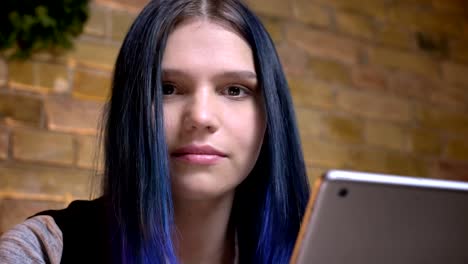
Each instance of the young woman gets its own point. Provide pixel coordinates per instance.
(203, 162)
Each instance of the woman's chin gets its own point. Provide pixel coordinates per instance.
(200, 188)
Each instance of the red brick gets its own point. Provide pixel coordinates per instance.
(68, 115)
(458, 50)
(342, 129)
(455, 73)
(464, 32)
(411, 86)
(95, 54)
(368, 159)
(274, 28)
(375, 160)
(451, 170)
(22, 73)
(324, 44)
(56, 57)
(404, 61)
(425, 142)
(88, 152)
(454, 123)
(4, 142)
(3, 72)
(421, 4)
(275, 8)
(53, 77)
(27, 109)
(43, 146)
(325, 154)
(309, 122)
(394, 37)
(452, 6)
(293, 60)
(457, 149)
(417, 19)
(39, 179)
(436, 22)
(138, 4)
(14, 211)
(311, 13)
(329, 70)
(386, 135)
(355, 24)
(92, 85)
(374, 106)
(375, 8)
(307, 92)
(97, 23)
(121, 22)
(404, 164)
(451, 97)
(369, 78)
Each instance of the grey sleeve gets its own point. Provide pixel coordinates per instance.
(36, 240)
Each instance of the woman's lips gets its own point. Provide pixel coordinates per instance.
(201, 159)
(201, 155)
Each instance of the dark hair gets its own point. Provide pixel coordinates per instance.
(268, 205)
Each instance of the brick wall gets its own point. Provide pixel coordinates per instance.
(378, 85)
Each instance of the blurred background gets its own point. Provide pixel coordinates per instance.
(378, 85)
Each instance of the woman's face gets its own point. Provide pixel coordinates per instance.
(213, 110)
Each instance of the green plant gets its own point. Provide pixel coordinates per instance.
(29, 26)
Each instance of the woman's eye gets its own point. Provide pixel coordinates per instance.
(168, 89)
(236, 91)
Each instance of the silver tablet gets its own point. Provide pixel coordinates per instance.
(363, 218)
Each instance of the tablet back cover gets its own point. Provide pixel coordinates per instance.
(359, 222)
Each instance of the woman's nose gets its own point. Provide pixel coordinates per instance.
(201, 112)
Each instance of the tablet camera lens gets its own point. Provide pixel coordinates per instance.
(343, 192)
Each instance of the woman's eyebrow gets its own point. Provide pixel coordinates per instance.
(232, 74)
(238, 74)
(174, 72)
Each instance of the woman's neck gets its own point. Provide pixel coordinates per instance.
(204, 233)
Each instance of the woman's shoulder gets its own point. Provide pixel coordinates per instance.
(77, 211)
(39, 239)
(36, 240)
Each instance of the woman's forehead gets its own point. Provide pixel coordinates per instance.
(203, 44)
